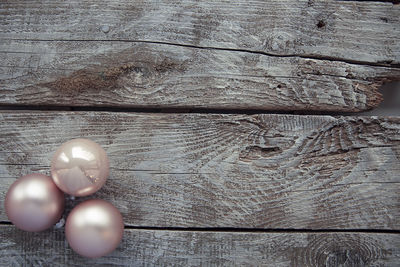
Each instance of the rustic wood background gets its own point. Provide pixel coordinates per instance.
(226, 123)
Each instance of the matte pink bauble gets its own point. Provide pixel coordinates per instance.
(34, 203)
(94, 228)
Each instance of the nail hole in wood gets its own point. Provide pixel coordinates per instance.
(321, 24)
(384, 19)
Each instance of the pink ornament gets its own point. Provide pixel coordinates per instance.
(34, 203)
(80, 167)
(94, 228)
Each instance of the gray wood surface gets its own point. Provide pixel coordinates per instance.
(177, 248)
(210, 189)
(348, 30)
(121, 74)
(265, 55)
(205, 170)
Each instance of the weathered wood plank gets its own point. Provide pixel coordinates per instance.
(124, 74)
(176, 248)
(360, 31)
(130, 73)
(205, 170)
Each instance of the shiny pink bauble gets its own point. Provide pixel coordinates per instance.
(34, 203)
(94, 228)
(80, 167)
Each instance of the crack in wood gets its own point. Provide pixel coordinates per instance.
(305, 56)
(383, 1)
(143, 75)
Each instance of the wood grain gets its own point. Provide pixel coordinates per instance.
(141, 75)
(211, 170)
(275, 55)
(344, 30)
(176, 248)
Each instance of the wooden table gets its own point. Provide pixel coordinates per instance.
(229, 125)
